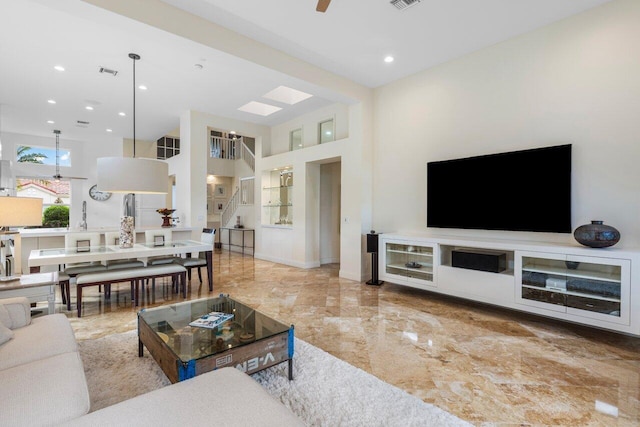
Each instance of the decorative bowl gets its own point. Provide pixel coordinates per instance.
(165, 211)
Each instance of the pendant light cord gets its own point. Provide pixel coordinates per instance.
(57, 132)
(134, 107)
(135, 57)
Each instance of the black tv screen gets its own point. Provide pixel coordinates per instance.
(527, 190)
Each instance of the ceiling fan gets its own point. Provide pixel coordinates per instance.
(322, 5)
(57, 176)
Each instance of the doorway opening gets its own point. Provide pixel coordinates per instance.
(329, 218)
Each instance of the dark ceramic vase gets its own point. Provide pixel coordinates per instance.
(596, 235)
(572, 265)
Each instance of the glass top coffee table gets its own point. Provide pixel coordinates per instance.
(250, 341)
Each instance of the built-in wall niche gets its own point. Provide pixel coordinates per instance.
(167, 147)
(277, 197)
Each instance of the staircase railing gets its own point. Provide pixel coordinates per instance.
(247, 155)
(230, 209)
(244, 195)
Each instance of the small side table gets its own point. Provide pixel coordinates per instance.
(36, 287)
(244, 244)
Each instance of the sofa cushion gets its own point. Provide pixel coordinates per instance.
(225, 397)
(5, 318)
(45, 392)
(46, 336)
(5, 334)
(19, 309)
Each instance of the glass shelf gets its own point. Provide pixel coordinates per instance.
(409, 261)
(587, 286)
(278, 187)
(277, 197)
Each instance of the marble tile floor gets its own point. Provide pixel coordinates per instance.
(487, 365)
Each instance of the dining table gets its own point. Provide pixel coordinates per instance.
(59, 256)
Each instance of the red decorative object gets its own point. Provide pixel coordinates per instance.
(166, 216)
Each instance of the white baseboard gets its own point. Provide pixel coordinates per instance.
(351, 275)
(310, 264)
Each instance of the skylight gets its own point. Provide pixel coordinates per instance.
(287, 95)
(259, 108)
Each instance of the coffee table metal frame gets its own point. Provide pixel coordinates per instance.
(183, 351)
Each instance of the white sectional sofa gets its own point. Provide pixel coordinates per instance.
(42, 379)
(225, 397)
(42, 383)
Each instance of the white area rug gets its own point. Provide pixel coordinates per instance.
(326, 391)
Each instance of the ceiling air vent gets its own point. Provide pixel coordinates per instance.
(81, 123)
(108, 71)
(403, 4)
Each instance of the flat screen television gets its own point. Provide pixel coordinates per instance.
(527, 190)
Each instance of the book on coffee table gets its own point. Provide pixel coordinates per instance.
(211, 320)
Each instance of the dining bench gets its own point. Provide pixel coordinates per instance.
(134, 275)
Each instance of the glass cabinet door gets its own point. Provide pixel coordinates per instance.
(585, 286)
(411, 261)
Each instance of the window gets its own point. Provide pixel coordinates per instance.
(326, 132)
(168, 147)
(42, 155)
(295, 139)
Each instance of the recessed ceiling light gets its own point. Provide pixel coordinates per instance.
(59, 68)
(50, 122)
(109, 130)
(142, 87)
(328, 132)
(259, 108)
(388, 59)
(51, 101)
(88, 107)
(287, 95)
(232, 132)
(121, 114)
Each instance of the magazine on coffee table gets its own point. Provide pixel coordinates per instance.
(211, 320)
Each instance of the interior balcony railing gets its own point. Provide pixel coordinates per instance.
(223, 148)
(231, 149)
(244, 195)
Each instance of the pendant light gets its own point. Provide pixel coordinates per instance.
(132, 174)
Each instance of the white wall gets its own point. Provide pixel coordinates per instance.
(83, 164)
(576, 81)
(227, 182)
(299, 245)
(145, 149)
(309, 124)
(190, 167)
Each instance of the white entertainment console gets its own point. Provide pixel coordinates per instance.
(596, 287)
